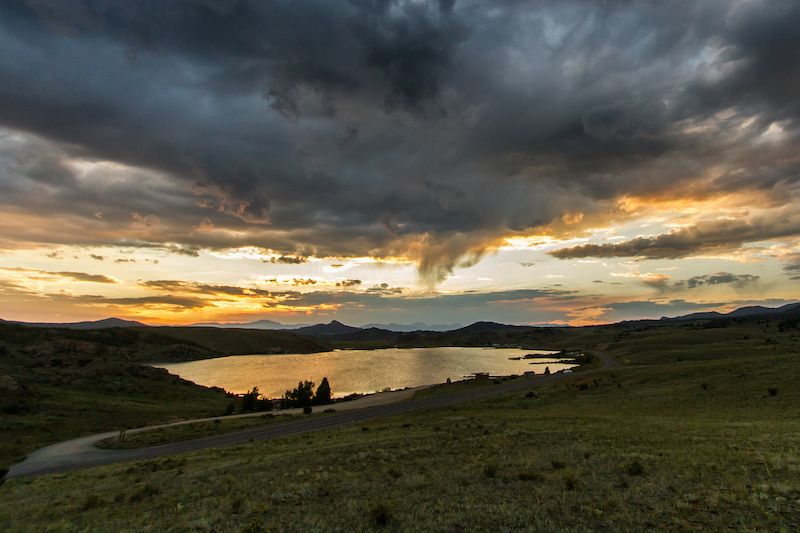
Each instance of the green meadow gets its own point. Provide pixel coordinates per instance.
(697, 431)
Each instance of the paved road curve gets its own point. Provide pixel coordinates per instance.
(81, 453)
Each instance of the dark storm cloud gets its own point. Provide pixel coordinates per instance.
(150, 302)
(719, 278)
(287, 260)
(421, 129)
(74, 276)
(349, 283)
(82, 276)
(709, 237)
(176, 286)
(791, 265)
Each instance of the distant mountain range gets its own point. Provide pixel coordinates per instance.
(96, 324)
(416, 326)
(337, 328)
(271, 324)
(258, 324)
(743, 312)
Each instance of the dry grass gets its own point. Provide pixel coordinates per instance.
(196, 430)
(635, 449)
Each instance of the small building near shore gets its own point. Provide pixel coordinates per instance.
(276, 404)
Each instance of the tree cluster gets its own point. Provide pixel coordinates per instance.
(304, 395)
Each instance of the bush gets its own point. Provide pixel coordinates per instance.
(490, 470)
(634, 469)
(772, 391)
(395, 472)
(91, 501)
(381, 514)
(307, 410)
(530, 476)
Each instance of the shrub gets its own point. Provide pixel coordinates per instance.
(704, 385)
(772, 391)
(254, 526)
(634, 469)
(381, 514)
(557, 465)
(144, 491)
(394, 472)
(307, 410)
(91, 501)
(490, 470)
(547, 371)
(530, 476)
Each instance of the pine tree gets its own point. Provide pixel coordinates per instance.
(323, 394)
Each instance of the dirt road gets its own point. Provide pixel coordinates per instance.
(81, 453)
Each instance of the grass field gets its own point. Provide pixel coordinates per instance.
(687, 446)
(195, 430)
(57, 384)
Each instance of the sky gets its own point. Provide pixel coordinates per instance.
(374, 161)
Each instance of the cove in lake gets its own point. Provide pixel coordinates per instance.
(357, 371)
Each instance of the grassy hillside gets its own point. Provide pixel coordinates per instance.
(697, 433)
(240, 341)
(57, 384)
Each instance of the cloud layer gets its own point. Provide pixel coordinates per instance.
(422, 129)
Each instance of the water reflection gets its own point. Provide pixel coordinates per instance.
(361, 371)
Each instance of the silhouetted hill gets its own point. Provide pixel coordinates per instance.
(366, 338)
(333, 328)
(95, 324)
(416, 326)
(236, 341)
(258, 324)
(478, 327)
(752, 311)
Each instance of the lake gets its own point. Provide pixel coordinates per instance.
(357, 371)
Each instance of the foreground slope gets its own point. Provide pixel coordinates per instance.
(692, 444)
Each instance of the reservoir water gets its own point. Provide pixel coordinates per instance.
(358, 371)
